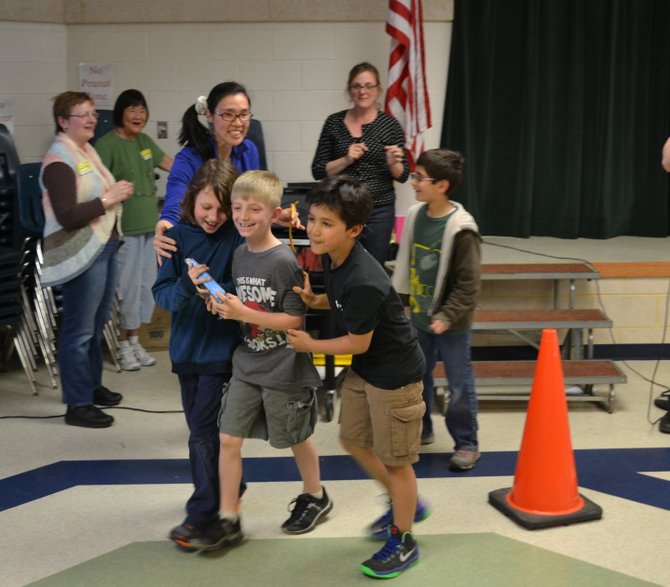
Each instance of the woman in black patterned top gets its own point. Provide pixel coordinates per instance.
(366, 143)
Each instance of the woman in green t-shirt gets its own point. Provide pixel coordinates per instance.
(132, 155)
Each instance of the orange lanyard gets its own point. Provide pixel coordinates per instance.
(294, 212)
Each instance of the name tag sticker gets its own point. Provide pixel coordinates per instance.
(146, 154)
(84, 167)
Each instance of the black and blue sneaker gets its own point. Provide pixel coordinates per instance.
(380, 527)
(211, 536)
(399, 553)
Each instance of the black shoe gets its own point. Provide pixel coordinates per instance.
(88, 417)
(663, 403)
(307, 512)
(184, 532)
(664, 424)
(399, 553)
(105, 397)
(427, 438)
(210, 537)
(181, 532)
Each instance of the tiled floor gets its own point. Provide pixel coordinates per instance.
(97, 500)
(66, 528)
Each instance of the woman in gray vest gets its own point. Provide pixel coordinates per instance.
(82, 231)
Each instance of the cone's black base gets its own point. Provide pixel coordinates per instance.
(589, 511)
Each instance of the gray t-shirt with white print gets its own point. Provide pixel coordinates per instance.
(264, 281)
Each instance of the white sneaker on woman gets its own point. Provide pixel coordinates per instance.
(142, 356)
(127, 359)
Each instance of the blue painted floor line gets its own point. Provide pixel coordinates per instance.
(617, 472)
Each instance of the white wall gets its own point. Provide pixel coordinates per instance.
(295, 72)
(33, 69)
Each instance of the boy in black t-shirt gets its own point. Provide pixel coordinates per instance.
(382, 405)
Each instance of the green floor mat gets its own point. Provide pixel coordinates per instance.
(477, 560)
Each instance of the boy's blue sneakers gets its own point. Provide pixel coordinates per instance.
(380, 527)
(399, 553)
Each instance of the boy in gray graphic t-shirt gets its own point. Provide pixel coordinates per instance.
(272, 393)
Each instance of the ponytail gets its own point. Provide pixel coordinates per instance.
(194, 134)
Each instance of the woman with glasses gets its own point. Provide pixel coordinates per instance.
(132, 155)
(227, 111)
(82, 210)
(366, 143)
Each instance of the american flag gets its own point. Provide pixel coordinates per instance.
(407, 94)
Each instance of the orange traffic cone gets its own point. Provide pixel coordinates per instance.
(545, 482)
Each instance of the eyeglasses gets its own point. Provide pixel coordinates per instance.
(230, 116)
(95, 115)
(418, 177)
(366, 87)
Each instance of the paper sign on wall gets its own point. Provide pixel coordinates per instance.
(96, 79)
(7, 112)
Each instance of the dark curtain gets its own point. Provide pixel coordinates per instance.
(561, 108)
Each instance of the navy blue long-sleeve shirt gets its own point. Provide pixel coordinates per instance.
(200, 343)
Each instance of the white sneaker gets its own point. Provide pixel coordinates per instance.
(127, 359)
(142, 356)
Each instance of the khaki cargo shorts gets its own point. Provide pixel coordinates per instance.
(387, 420)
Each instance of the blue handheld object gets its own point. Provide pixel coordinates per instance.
(212, 286)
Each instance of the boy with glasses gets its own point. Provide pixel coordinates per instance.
(438, 265)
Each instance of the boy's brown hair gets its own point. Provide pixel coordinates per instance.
(443, 164)
(215, 174)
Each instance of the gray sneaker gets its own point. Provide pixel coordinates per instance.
(463, 460)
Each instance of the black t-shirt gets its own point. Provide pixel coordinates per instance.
(362, 299)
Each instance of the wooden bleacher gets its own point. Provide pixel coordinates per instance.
(538, 319)
(580, 370)
(538, 271)
(585, 373)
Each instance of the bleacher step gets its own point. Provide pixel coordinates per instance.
(539, 319)
(521, 373)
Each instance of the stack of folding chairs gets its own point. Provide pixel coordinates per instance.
(17, 322)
